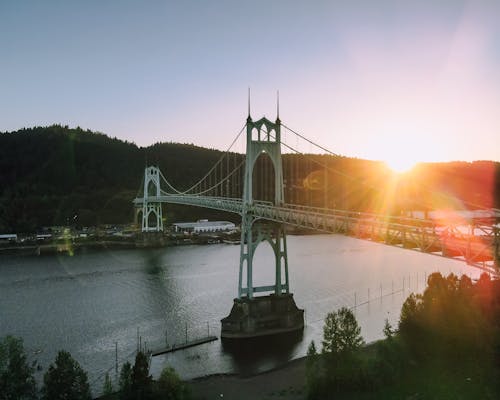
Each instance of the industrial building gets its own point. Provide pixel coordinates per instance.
(203, 226)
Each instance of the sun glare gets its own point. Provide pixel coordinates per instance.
(400, 165)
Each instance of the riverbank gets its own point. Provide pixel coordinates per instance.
(65, 247)
(74, 246)
(466, 378)
(287, 382)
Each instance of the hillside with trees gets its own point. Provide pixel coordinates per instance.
(58, 175)
(50, 175)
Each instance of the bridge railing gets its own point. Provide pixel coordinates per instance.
(474, 242)
(286, 211)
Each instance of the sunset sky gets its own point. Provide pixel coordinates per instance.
(385, 80)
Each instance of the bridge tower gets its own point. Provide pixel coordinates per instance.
(152, 220)
(277, 312)
(263, 136)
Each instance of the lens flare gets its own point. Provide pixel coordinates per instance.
(400, 165)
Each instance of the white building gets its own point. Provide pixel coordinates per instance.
(8, 237)
(203, 226)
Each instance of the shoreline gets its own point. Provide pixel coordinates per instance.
(72, 247)
(288, 379)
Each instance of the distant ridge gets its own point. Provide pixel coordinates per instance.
(50, 174)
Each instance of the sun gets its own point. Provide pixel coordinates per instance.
(400, 164)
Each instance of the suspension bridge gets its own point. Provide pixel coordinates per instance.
(260, 186)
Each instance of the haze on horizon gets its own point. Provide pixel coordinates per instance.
(396, 81)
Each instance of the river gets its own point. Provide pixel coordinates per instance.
(92, 301)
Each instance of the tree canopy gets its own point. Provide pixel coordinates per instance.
(16, 374)
(341, 332)
(49, 175)
(65, 380)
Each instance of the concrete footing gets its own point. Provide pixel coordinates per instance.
(150, 239)
(260, 316)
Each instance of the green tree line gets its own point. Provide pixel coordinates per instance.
(446, 346)
(66, 380)
(49, 175)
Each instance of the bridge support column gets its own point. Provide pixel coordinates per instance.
(253, 233)
(253, 316)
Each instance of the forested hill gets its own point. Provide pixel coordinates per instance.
(49, 175)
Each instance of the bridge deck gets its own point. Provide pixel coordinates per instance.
(479, 246)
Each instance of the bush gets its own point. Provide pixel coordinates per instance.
(170, 387)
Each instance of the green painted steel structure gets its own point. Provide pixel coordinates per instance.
(266, 220)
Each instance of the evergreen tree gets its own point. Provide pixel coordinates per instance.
(341, 340)
(141, 380)
(125, 382)
(313, 373)
(65, 380)
(341, 332)
(16, 375)
(388, 329)
(108, 385)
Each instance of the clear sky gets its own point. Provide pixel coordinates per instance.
(386, 80)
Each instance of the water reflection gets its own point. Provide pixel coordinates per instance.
(152, 262)
(261, 354)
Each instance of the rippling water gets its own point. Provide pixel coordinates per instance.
(87, 303)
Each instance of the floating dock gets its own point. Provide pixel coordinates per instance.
(184, 345)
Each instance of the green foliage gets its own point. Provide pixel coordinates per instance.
(340, 365)
(313, 372)
(65, 380)
(451, 318)
(125, 381)
(170, 387)
(16, 375)
(447, 346)
(108, 385)
(142, 382)
(311, 350)
(49, 174)
(388, 329)
(341, 332)
(452, 332)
